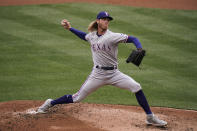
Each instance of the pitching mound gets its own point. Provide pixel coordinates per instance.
(21, 115)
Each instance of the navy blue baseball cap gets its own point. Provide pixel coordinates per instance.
(104, 14)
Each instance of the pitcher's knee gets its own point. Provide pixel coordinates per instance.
(136, 88)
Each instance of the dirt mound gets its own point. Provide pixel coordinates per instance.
(20, 115)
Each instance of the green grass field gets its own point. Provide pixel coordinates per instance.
(40, 60)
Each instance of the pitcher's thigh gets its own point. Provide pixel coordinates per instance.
(88, 87)
(126, 82)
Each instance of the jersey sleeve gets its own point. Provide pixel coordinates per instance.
(135, 41)
(78, 33)
(87, 37)
(119, 38)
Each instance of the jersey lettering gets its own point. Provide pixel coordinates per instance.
(107, 45)
(103, 48)
(98, 47)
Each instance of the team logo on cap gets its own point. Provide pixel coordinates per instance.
(106, 14)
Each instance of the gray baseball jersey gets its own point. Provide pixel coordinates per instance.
(104, 53)
(105, 48)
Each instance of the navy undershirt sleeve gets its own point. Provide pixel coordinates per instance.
(135, 41)
(79, 33)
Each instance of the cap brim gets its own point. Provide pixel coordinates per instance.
(110, 18)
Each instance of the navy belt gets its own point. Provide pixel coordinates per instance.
(106, 68)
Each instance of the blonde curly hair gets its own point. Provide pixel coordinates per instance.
(93, 26)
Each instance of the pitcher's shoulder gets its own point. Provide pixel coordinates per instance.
(90, 35)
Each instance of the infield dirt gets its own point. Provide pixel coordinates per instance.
(20, 116)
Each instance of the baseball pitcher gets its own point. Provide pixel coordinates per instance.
(104, 47)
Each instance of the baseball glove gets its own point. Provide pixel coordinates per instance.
(136, 57)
